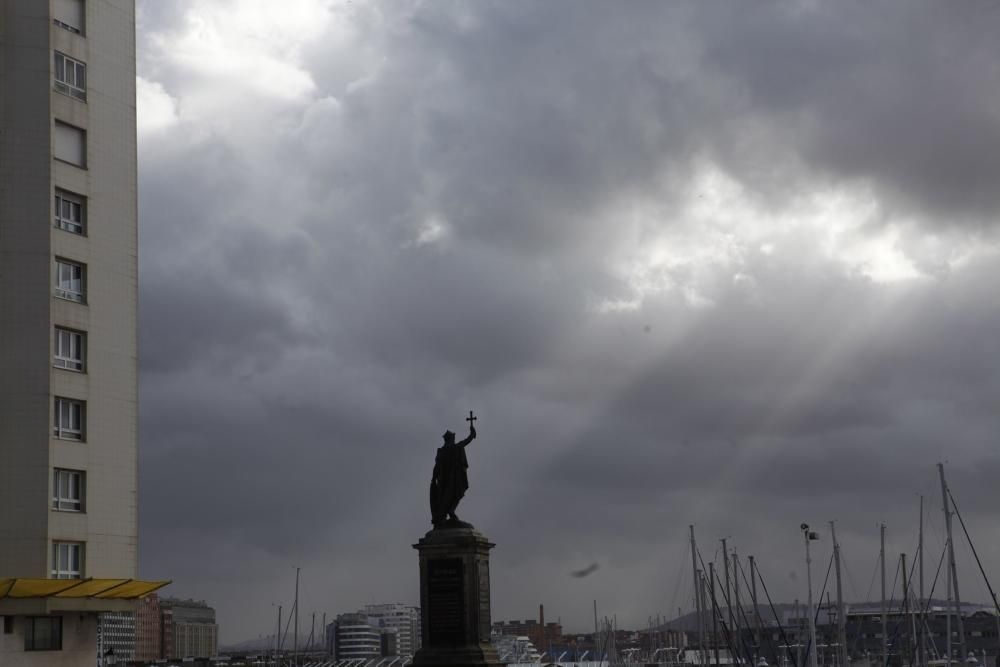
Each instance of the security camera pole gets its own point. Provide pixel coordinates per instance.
(809, 535)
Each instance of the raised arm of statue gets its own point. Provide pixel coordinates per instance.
(472, 436)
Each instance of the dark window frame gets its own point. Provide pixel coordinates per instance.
(69, 76)
(64, 431)
(31, 643)
(65, 292)
(62, 197)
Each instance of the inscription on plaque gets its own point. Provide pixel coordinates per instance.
(445, 601)
(484, 600)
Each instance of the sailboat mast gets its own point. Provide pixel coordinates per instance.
(705, 605)
(913, 620)
(295, 639)
(756, 609)
(800, 620)
(951, 564)
(597, 636)
(736, 600)
(614, 638)
(906, 599)
(841, 616)
(885, 630)
(922, 660)
(948, 622)
(715, 607)
(725, 589)
(697, 595)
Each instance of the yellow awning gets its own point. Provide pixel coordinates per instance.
(116, 589)
(131, 590)
(86, 588)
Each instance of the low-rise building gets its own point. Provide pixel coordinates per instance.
(515, 649)
(354, 636)
(116, 635)
(540, 633)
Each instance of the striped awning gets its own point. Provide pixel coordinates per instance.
(97, 589)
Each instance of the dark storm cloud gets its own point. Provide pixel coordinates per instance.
(435, 207)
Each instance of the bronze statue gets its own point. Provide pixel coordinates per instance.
(449, 480)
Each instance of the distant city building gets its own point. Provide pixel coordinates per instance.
(188, 629)
(135, 636)
(515, 648)
(404, 619)
(787, 624)
(354, 636)
(657, 640)
(539, 633)
(148, 630)
(389, 640)
(116, 635)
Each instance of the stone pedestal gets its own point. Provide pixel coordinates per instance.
(455, 599)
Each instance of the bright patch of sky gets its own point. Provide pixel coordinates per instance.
(721, 225)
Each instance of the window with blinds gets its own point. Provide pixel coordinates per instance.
(70, 144)
(69, 15)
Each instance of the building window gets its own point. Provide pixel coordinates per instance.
(43, 633)
(70, 280)
(70, 416)
(8, 625)
(69, 144)
(70, 212)
(67, 560)
(71, 76)
(69, 15)
(69, 352)
(67, 490)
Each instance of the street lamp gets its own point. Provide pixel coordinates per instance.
(808, 536)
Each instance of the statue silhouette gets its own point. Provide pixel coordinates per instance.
(449, 481)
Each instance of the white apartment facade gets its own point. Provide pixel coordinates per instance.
(68, 335)
(404, 619)
(354, 636)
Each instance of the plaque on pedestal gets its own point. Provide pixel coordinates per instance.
(455, 598)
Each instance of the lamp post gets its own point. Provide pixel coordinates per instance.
(808, 536)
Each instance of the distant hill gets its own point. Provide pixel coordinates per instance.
(689, 622)
(261, 644)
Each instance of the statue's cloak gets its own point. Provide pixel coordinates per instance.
(450, 480)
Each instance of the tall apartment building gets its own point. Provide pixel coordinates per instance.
(148, 629)
(189, 629)
(68, 291)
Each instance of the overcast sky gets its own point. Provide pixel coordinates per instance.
(727, 264)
